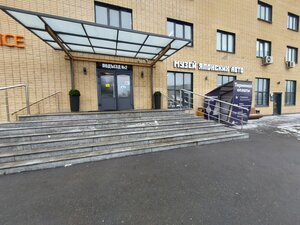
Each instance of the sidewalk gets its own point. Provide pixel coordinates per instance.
(252, 182)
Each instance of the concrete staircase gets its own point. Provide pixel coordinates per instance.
(47, 141)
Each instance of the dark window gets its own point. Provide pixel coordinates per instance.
(292, 54)
(262, 92)
(180, 29)
(293, 22)
(176, 82)
(225, 41)
(263, 48)
(290, 92)
(224, 79)
(264, 11)
(113, 16)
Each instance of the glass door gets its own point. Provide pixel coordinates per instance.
(107, 93)
(124, 91)
(115, 91)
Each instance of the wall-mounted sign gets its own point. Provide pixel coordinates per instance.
(10, 40)
(113, 66)
(208, 67)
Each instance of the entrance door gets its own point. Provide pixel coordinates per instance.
(114, 90)
(124, 100)
(277, 98)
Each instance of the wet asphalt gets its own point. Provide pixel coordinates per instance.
(250, 182)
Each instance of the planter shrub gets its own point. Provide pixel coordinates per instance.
(74, 100)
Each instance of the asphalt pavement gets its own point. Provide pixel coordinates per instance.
(250, 182)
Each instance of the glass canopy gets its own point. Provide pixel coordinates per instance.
(87, 37)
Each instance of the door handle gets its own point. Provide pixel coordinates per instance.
(114, 91)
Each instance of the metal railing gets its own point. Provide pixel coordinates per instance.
(56, 94)
(7, 100)
(171, 102)
(221, 109)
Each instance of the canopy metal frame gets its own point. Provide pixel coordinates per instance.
(55, 32)
(86, 39)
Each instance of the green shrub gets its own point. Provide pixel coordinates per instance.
(157, 93)
(74, 92)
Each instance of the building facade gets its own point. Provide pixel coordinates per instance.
(249, 40)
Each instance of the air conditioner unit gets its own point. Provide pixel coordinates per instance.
(290, 64)
(267, 60)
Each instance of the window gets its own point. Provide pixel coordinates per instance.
(225, 41)
(113, 16)
(263, 48)
(262, 92)
(293, 22)
(177, 81)
(292, 54)
(264, 11)
(180, 29)
(223, 79)
(290, 92)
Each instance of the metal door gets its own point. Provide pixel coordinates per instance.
(115, 90)
(277, 97)
(124, 91)
(107, 96)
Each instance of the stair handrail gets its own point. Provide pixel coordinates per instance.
(182, 91)
(36, 102)
(6, 97)
(170, 99)
(214, 99)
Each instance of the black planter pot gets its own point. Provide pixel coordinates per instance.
(74, 103)
(157, 101)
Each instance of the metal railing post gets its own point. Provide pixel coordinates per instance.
(58, 103)
(189, 99)
(208, 106)
(180, 102)
(27, 100)
(7, 106)
(219, 116)
(242, 119)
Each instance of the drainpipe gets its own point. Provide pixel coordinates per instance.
(72, 73)
(152, 86)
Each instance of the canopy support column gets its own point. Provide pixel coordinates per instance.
(57, 40)
(161, 54)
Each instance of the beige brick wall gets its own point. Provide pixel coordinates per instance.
(46, 71)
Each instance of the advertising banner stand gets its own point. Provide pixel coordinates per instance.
(235, 92)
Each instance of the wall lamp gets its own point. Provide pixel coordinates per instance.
(84, 71)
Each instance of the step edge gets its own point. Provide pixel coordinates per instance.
(232, 137)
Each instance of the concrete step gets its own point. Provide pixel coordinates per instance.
(62, 122)
(91, 132)
(95, 155)
(119, 138)
(79, 126)
(46, 141)
(101, 115)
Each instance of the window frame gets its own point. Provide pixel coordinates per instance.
(264, 42)
(265, 5)
(222, 32)
(183, 23)
(222, 76)
(288, 94)
(296, 55)
(262, 92)
(113, 7)
(297, 20)
(175, 86)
